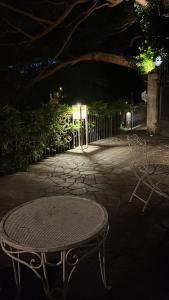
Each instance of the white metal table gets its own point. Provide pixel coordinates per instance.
(57, 224)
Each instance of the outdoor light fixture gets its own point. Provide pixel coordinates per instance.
(158, 61)
(80, 113)
(129, 119)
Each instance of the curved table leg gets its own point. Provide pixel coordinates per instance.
(68, 262)
(17, 274)
(36, 263)
(102, 257)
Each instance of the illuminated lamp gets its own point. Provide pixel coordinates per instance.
(158, 61)
(79, 112)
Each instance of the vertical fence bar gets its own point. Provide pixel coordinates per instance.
(111, 126)
(99, 127)
(90, 127)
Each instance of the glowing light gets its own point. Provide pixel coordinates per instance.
(79, 111)
(128, 117)
(158, 61)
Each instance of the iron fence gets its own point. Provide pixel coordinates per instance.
(98, 127)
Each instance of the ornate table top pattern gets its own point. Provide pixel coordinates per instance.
(53, 223)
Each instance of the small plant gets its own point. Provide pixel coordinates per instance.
(145, 61)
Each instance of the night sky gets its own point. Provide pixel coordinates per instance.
(109, 30)
(92, 81)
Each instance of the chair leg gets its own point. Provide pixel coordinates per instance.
(148, 200)
(141, 180)
(136, 188)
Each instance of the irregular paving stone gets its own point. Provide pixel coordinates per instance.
(71, 180)
(101, 179)
(45, 174)
(41, 169)
(62, 192)
(75, 173)
(117, 171)
(81, 191)
(102, 186)
(88, 172)
(86, 168)
(81, 180)
(71, 166)
(59, 170)
(65, 184)
(56, 180)
(89, 180)
(98, 175)
(98, 169)
(92, 188)
(67, 171)
(77, 185)
(112, 176)
(41, 178)
(52, 189)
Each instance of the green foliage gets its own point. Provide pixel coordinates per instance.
(148, 17)
(26, 136)
(145, 60)
(100, 108)
(145, 13)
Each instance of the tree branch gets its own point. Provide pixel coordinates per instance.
(142, 2)
(57, 22)
(137, 37)
(115, 2)
(127, 22)
(68, 7)
(87, 14)
(97, 56)
(18, 29)
(25, 13)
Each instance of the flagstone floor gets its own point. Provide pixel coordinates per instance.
(138, 244)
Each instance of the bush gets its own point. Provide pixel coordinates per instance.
(100, 108)
(26, 136)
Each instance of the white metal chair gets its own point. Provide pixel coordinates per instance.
(148, 169)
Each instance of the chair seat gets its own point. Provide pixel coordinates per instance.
(154, 169)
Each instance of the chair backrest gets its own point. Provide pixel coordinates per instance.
(142, 153)
(138, 149)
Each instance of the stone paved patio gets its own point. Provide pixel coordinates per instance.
(137, 246)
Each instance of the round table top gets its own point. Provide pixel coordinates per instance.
(50, 224)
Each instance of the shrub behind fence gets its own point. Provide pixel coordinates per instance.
(28, 137)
